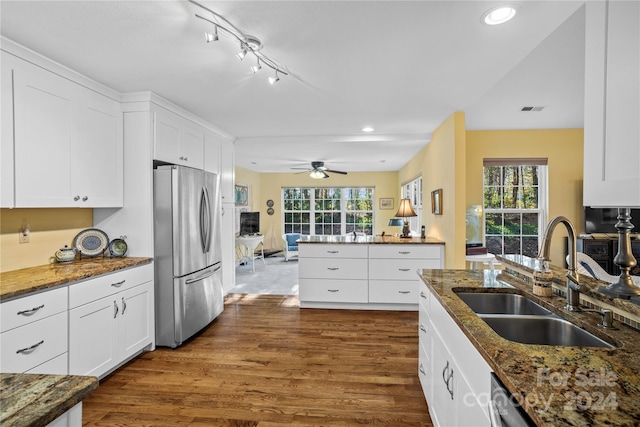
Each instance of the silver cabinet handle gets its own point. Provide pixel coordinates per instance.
(85, 198)
(118, 284)
(333, 290)
(404, 292)
(30, 349)
(333, 252)
(421, 369)
(448, 379)
(422, 295)
(76, 198)
(333, 268)
(30, 311)
(422, 328)
(115, 309)
(404, 252)
(124, 306)
(183, 158)
(404, 269)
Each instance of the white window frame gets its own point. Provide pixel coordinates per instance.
(412, 190)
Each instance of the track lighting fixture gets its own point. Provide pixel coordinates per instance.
(248, 44)
(212, 37)
(274, 80)
(257, 67)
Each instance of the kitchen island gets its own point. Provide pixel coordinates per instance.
(364, 272)
(555, 385)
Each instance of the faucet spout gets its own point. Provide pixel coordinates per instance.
(573, 279)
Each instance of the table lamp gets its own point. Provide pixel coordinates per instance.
(395, 222)
(404, 211)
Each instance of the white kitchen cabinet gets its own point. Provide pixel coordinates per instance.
(68, 142)
(110, 320)
(228, 242)
(454, 376)
(227, 171)
(177, 140)
(7, 64)
(33, 334)
(612, 104)
(212, 152)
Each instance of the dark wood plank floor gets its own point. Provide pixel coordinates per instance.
(266, 362)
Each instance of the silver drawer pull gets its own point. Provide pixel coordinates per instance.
(404, 292)
(118, 284)
(422, 328)
(422, 295)
(404, 252)
(31, 311)
(115, 309)
(333, 252)
(30, 349)
(333, 268)
(421, 369)
(404, 269)
(124, 305)
(333, 290)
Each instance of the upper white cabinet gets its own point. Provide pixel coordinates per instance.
(227, 171)
(67, 139)
(212, 147)
(177, 140)
(612, 104)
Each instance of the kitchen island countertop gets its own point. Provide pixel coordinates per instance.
(383, 240)
(557, 385)
(36, 400)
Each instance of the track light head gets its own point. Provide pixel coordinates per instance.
(275, 79)
(257, 67)
(211, 37)
(243, 52)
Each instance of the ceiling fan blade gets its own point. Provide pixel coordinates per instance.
(332, 171)
(306, 169)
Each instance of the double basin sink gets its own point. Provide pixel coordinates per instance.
(518, 318)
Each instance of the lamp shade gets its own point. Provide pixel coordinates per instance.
(405, 209)
(395, 222)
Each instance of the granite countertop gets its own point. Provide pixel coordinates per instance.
(18, 283)
(36, 400)
(557, 386)
(371, 240)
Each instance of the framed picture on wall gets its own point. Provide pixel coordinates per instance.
(436, 202)
(386, 203)
(242, 195)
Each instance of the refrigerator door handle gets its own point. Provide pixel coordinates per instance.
(205, 221)
(204, 276)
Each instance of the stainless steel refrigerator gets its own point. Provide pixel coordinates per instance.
(188, 266)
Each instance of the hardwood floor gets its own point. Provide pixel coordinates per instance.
(266, 362)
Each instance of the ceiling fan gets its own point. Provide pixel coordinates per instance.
(319, 171)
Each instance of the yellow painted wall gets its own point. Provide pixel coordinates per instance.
(563, 147)
(268, 186)
(51, 229)
(442, 165)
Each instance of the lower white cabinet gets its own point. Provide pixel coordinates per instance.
(34, 333)
(106, 332)
(455, 378)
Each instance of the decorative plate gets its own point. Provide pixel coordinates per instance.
(270, 211)
(269, 203)
(91, 242)
(118, 248)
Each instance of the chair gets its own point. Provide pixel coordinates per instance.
(290, 245)
(589, 267)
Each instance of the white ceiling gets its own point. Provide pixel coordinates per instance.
(399, 66)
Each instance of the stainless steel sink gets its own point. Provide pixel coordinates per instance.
(501, 303)
(544, 330)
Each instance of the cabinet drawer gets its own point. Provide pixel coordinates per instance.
(48, 337)
(405, 251)
(326, 268)
(22, 311)
(321, 250)
(334, 290)
(109, 284)
(393, 291)
(56, 366)
(399, 269)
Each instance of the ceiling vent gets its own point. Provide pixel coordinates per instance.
(531, 108)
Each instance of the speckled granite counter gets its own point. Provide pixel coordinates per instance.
(35, 400)
(21, 282)
(371, 240)
(557, 386)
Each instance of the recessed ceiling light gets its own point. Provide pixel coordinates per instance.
(498, 15)
(367, 129)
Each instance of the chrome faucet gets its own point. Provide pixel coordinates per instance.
(573, 280)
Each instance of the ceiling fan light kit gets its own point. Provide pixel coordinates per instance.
(248, 44)
(319, 171)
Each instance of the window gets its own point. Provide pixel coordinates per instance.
(412, 190)
(515, 194)
(328, 210)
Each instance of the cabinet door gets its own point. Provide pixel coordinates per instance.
(43, 115)
(93, 337)
(212, 147)
(612, 104)
(228, 243)
(6, 130)
(166, 146)
(227, 171)
(192, 147)
(445, 377)
(97, 152)
(135, 321)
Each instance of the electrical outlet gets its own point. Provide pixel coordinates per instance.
(23, 237)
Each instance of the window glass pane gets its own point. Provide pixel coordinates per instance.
(494, 244)
(512, 245)
(493, 223)
(530, 224)
(493, 197)
(512, 223)
(492, 176)
(530, 246)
